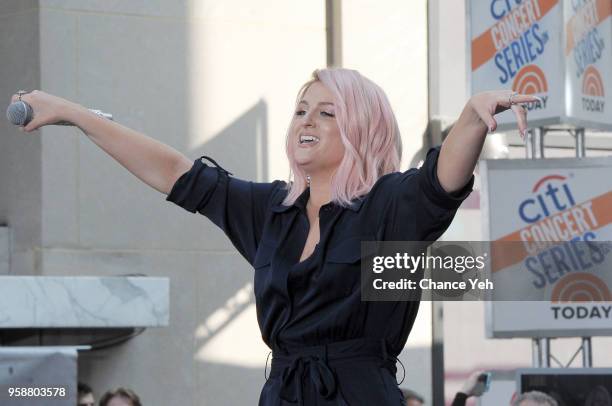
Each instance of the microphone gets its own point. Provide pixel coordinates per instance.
(20, 113)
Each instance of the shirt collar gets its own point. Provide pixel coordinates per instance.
(301, 201)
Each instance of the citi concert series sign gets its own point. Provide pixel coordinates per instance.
(559, 50)
(555, 278)
(587, 42)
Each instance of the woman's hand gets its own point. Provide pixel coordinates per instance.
(462, 146)
(47, 109)
(488, 104)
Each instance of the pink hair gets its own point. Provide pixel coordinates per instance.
(368, 130)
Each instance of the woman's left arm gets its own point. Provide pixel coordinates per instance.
(461, 148)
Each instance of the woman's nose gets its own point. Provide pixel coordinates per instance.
(308, 119)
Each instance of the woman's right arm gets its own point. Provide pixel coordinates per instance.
(156, 164)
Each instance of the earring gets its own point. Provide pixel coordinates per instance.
(308, 180)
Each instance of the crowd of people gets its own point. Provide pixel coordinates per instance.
(473, 387)
(116, 397)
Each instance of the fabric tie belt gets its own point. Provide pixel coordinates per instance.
(299, 366)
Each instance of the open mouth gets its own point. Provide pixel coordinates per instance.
(308, 139)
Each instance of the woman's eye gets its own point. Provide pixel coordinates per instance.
(324, 113)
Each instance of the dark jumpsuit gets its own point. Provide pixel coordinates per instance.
(328, 347)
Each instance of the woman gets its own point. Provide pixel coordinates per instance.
(303, 237)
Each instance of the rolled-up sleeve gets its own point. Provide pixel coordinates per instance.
(236, 206)
(420, 203)
(433, 190)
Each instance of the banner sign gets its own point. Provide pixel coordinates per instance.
(548, 206)
(559, 50)
(588, 38)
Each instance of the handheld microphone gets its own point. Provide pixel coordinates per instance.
(20, 113)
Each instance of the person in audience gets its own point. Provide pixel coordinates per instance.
(599, 396)
(85, 396)
(472, 387)
(534, 398)
(120, 397)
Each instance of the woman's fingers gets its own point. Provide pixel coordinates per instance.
(486, 117)
(515, 102)
(507, 99)
(525, 98)
(42, 106)
(32, 125)
(488, 104)
(492, 124)
(521, 118)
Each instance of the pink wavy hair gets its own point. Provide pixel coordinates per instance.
(368, 130)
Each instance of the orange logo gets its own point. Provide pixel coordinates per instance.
(530, 80)
(592, 84)
(581, 287)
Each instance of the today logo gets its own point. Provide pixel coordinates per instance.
(592, 90)
(532, 80)
(580, 287)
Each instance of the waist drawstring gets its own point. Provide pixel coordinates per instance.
(312, 365)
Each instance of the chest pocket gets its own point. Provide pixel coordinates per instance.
(341, 273)
(263, 276)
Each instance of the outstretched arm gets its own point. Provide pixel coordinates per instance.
(156, 164)
(462, 147)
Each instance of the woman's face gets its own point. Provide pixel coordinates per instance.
(318, 148)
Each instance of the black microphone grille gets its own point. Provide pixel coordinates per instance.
(19, 113)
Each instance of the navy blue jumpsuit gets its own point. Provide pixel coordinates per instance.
(328, 347)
